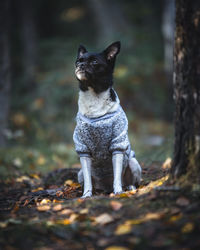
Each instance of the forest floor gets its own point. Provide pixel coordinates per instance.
(45, 211)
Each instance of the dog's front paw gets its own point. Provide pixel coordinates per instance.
(118, 190)
(87, 194)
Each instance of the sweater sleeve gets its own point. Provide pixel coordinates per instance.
(80, 146)
(120, 141)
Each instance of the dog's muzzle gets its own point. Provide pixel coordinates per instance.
(80, 73)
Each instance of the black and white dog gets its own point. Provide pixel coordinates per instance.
(101, 133)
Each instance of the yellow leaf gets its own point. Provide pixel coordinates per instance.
(84, 211)
(64, 222)
(122, 195)
(123, 229)
(104, 219)
(116, 248)
(22, 178)
(68, 182)
(175, 217)
(37, 189)
(134, 222)
(73, 217)
(35, 176)
(57, 201)
(152, 216)
(43, 208)
(187, 228)
(45, 201)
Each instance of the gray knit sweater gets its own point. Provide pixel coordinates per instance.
(102, 137)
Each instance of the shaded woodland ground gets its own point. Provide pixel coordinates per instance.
(44, 211)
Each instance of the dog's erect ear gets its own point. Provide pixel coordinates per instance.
(112, 50)
(81, 50)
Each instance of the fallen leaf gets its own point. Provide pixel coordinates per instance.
(123, 229)
(167, 163)
(57, 201)
(84, 211)
(175, 217)
(73, 217)
(104, 219)
(135, 221)
(22, 178)
(59, 193)
(35, 176)
(68, 182)
(123, 195)
(64, 222)
(43, 208)
(116, 248)
(187, 228)
(152, 216)
(15, 208)
(116, 205)
(182, 201)
(45, 201)
(57, 207)
(66, 212)
(37, 189)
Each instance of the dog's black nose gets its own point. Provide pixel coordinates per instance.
(82, 66)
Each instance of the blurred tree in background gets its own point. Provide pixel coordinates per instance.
(4, 68)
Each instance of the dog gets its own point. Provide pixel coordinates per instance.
(101, 133)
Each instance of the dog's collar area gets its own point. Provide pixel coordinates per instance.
(96, 119)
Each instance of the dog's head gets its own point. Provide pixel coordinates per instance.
(95, 69)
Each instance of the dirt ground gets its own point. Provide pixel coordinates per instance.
(45, 212)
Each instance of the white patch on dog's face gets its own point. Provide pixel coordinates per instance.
(80, 75)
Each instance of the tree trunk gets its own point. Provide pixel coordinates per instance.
(29, 38)
(4, 68)
(186, 159)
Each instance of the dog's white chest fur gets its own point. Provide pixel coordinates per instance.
(94, 105)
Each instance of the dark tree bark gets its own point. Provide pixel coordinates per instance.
(4, 68)
(29, 43)
(186, 159)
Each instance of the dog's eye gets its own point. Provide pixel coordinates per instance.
(80, 60)
(94, 62)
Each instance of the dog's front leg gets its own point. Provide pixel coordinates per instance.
(86, 164)
(117, 161)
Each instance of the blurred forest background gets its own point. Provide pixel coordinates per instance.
(39, 102)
